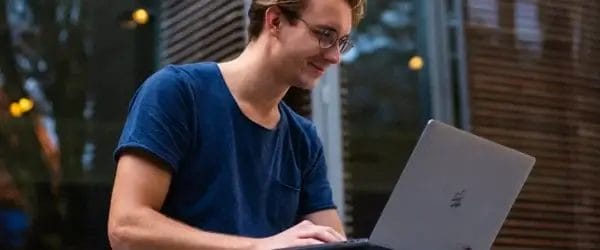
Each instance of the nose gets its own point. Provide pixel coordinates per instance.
(332, 55)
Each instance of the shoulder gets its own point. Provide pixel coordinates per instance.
(197, 72)
(185, 79)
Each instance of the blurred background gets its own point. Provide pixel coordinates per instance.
(524, 73)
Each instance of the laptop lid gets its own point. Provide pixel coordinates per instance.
(454, 193)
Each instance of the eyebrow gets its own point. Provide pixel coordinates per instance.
(327, 27)
(331, 28)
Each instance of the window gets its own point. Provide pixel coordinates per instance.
(385, 106)
(69, 69)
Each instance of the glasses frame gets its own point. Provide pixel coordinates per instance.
(327, 41)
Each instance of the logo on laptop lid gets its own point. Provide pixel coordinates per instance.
(456, 200)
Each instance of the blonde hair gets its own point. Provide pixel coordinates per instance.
(291, 9)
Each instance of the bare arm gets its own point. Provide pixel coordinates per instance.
(328, 218)
(134, 222)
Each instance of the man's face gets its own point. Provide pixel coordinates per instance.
(302, 56)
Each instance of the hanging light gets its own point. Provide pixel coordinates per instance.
(25, 104)
(140, 16)
(416, 63)
(15, 110)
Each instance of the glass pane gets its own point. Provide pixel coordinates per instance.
(67, 71)
(385, 106)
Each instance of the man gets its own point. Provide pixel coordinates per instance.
(210, 158)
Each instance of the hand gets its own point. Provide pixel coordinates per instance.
(302, 234)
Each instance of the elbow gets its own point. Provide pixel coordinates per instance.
(121, 232)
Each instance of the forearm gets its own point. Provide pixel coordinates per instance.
(149, 229)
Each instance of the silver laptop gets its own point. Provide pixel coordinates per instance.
(454, 193)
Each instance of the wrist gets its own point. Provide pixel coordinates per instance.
(255, 244)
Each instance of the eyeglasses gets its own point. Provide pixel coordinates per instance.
(329, 37)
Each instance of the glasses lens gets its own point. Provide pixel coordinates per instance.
(327, 39)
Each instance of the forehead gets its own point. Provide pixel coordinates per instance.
(336, 14)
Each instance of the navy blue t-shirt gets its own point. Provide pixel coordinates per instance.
(230, 175)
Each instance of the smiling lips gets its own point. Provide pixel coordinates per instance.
(318, 68)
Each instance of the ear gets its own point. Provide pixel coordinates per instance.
(273, 19)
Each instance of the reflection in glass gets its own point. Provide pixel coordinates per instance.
(384, 106)
(55, 156)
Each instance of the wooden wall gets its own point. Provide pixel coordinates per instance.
(534, 74)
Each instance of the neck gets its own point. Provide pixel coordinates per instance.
(253, 81)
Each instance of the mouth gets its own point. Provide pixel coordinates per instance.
(317, 68)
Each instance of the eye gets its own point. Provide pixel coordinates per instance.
(328, 34)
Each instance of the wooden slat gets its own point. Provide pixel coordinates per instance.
(210, 30)
(544, 101)
(192, 31)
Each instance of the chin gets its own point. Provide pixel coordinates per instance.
(306, 84)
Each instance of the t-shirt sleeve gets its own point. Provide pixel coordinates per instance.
(315, 194)
(159, 121)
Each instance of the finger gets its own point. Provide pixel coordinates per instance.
(336, 234)
(305, 224)
(333, 233)
(318, 232)
(308, 241)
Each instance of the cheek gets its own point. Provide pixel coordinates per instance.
(296, 56)
(303, 47)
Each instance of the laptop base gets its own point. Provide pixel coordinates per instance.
(354, 244)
